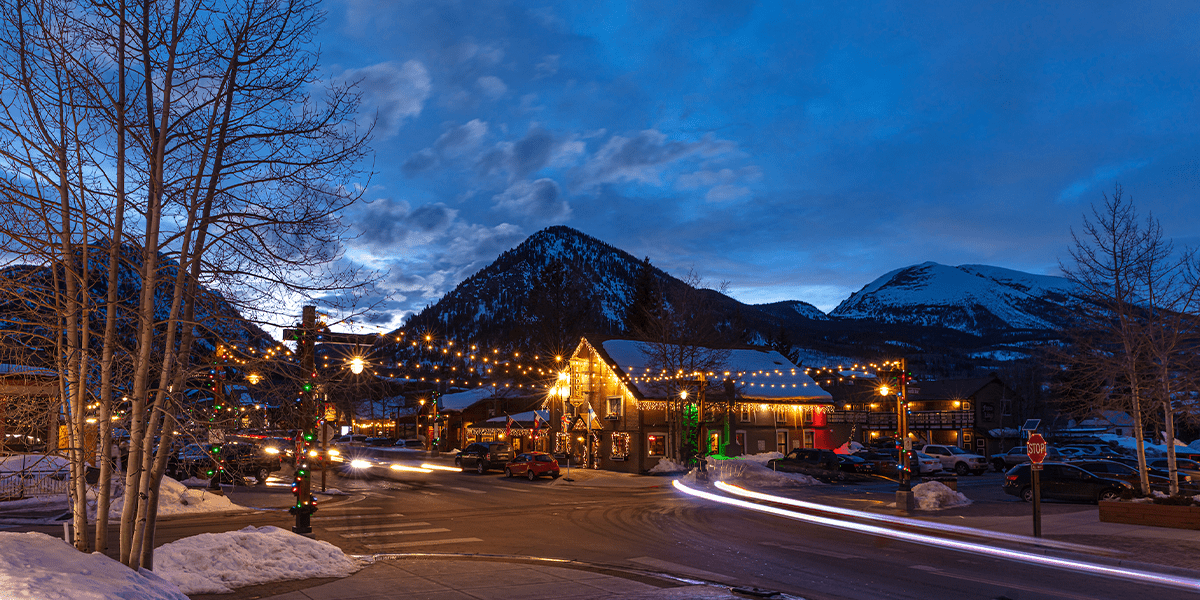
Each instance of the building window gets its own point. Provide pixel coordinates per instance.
(615, 407)
(714, 442)
(781, 442)
(808, 417)
(656, 445)
(562, 443)
(780, 415)
(620, 446)
(745, 413)
(762, 445)
(809, 439)
(1006, 407)
(739, 438)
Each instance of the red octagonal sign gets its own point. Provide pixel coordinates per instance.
(1036, 448)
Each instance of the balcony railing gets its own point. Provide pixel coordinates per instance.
(925, 419)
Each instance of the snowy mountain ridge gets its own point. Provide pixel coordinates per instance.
(977, 299)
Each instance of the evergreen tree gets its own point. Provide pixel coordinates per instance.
(646, 305)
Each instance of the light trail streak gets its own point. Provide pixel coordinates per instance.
(439, 467)
(927, 540)
(396, 467)
(914, 523)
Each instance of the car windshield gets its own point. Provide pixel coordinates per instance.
(1186, 464)
(544, 458)
(957, 450)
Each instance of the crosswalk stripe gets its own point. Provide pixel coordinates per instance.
(423, 543)
(331, 517)
(399, 532)
(378, 526)
(351, 508)
(463, 489)
(430, 493)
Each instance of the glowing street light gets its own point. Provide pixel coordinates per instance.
(356, 365)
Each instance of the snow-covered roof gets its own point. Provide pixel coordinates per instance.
(11, 369)
(463, 400)
(760, 374)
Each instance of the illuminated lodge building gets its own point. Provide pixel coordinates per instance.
(611, 412)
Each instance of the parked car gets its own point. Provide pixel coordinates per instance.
(484, 456)
(1115, 470)
(927, 464)
(956, 459)
(1189, 470)
(379, 441)
(1063, 482)
(409, 444)
(235, 462)
(1019, 456)
(854, 464)
(532, 464)
(822, 464)
(884, 463)
(350, 440)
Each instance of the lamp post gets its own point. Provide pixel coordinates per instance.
(417, 418)
(905, 502)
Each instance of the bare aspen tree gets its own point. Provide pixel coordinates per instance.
(184, 143)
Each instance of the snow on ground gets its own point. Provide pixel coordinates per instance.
(39, 567)
(751, 473)
(934, 495)
(214, 563)
(174, 498)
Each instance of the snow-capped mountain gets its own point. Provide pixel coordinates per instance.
(976, 299)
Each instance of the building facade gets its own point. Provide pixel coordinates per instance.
(615, 410)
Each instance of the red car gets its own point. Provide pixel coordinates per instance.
(532, 464)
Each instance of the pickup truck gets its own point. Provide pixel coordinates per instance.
(821, 464)
(956, 459)
(1020, 456)
(237, 461)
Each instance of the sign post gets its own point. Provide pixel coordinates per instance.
(1035, 448)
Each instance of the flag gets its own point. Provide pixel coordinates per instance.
(535, 426)
(508, 428)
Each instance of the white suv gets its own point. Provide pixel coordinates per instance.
(956, 459)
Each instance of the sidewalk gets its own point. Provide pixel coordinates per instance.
(465, 578)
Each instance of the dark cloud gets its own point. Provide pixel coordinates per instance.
(642, 158)
(538, 200)
(532, 152)
(388, 222)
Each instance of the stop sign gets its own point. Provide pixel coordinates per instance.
(1036, 448)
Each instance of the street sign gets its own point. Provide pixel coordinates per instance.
(1036, 449)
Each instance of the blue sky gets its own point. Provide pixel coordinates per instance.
(794, 150)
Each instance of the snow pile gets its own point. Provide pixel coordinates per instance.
(849, 448)
(174, 498)
(34, 464)
(934, 495)
(752, 474)
(666, 465)
(214, 563)
(761, 459)
(35, 565)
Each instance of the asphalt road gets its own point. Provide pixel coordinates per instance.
(660, 529)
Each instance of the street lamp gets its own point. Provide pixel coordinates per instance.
(356, 365)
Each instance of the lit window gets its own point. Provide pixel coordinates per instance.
(656, 445)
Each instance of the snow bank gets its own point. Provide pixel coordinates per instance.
(666, 465)
(174, 498)
(36, 566)
(214, 563)
(759, 458)
(934, 495)
(752, 474)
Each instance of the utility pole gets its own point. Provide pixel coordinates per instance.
(905, 502)
(305, 337)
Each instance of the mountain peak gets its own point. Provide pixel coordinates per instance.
(976, 299)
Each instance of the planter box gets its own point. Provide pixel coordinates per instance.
(1154, 515)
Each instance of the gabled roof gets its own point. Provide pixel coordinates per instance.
(763, 375)
(948, 389)
(464, 400)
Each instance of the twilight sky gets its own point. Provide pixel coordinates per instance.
(796, 150)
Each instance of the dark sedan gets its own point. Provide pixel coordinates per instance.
(1063, 482)
(854, 464)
